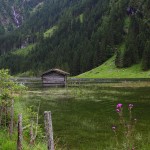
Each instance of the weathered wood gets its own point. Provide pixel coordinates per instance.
(19, 141)
(12, 118)
(49, 130)
(31, 134)
(1, 111)
(54, 77)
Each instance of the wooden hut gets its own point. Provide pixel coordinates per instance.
(54, 77)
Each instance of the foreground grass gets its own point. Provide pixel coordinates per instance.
(83, 116)
(10, 143)
(109, 70)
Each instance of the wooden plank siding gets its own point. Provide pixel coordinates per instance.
(54, 77)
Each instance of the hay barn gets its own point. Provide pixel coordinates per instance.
(54, 77)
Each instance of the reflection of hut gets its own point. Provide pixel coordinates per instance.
(54, 77)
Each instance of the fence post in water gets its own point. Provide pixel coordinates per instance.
(19, 141)
(49, 130)
(12, 118)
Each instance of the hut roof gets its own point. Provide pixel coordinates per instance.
(59, 71)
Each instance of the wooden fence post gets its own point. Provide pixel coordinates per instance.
(1, 116)
(19, 141)
(12, 118)
(49, 130)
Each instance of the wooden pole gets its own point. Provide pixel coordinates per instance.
(12, 118)
(49, 130)
(31, 134)
(1, 111)
(19, 141)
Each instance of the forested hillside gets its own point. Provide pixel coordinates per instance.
(13, 13)
(78, 35)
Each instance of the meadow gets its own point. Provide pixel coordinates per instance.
(83, 115)
(109, 70)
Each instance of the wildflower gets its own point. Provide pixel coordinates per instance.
(130, 106)
(118, 110)
(135, 120)
(119, 106)
(113, 128)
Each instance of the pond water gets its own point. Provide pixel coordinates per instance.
(84, 115)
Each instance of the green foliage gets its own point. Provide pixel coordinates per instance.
(23, 51)
(7, 86)
(146, 57)
(50, 31)
(77, 35)
(9, 90)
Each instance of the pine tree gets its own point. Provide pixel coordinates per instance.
(146, 57)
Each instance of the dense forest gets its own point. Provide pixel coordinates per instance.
(86, 34)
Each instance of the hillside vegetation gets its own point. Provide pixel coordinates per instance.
(88, 33)
(109, 70)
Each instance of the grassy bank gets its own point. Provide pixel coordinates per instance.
(109, 70)
(10, 143)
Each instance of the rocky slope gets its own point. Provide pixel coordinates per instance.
(14, 13)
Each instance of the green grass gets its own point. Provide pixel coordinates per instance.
(81, 18)
(83, 116)
(127, 22)
(10, 143)
(29, 73)
(37, 8)
(24, 51)
(109, 70)
(50, 31)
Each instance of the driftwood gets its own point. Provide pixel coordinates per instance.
(49, 130)
(19, 141)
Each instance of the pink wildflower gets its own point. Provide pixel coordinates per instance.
(130, 106)
(118, 110)
(119, 106)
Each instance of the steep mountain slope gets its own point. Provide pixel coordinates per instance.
(13, 13)
(78, 35)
